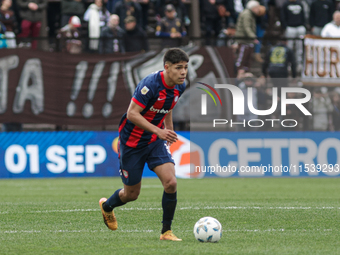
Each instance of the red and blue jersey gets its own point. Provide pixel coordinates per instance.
(157, 99)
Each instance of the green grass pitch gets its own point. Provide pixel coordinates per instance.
(258, 216)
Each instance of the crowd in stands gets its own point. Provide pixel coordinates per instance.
(248, 20)
(293, 16)
(124, 26)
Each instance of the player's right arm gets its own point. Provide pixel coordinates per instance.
(134, 115)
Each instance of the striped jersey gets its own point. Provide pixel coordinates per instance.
(157, 99)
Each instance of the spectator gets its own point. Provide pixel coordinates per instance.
(179, 7)
(7, 17)
(261, 24)
(68, 36)
(136, 38)
(276, 65)
(31, 13)
(236, 8)
(97, 16)
(227, 11)
(110, 5)
(212, 19)
(3, 41)
(71, 8)
(306, 11)
(322, 110)
(15, 8)
(321, 12)
(274, 20)
(145, 5)
(224, 35)
(112, 37)
(293, 21)
(246, 34)
(186, 20)
(170, 28)
(332, 29)
(336, 111)
(125, 8)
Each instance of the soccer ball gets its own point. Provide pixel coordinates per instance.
(208, 229)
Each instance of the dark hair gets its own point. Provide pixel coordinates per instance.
(175, 55)
(103, 9)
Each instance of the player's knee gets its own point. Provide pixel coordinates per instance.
(171, 185)
(133, 195)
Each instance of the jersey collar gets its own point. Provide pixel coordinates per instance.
(164, 83)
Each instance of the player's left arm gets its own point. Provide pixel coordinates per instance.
(134, 115)
(168, 123)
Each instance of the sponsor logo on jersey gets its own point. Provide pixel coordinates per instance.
(159, 110)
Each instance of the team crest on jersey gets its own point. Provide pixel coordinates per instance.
(145, 90)
(125, 173)
(176, 98)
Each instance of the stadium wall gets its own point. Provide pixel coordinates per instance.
(88, 89)
(210, 154)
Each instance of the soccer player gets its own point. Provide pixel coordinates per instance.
(145, 132)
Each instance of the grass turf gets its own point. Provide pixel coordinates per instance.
(258, 216)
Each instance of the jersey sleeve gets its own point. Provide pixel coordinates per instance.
(143, 93)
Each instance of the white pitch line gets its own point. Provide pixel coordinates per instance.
(231, 208)
(72, 231)
(66, 211)
(275, 230)
(151, 231)
(189, 208)
(83, 187)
